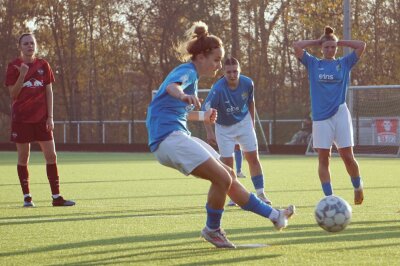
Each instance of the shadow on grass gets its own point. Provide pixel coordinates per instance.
(92, 216)
(99, 181)
(164, 247)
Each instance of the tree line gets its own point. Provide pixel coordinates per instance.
(108, 56)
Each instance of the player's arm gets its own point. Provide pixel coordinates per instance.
(358, 46)
(175, 90)
(299, 46)
(49, 98)
(211, 139)
(209, 116)
(17, 87)
(252, 108)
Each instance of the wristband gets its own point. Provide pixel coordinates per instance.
(201, 116)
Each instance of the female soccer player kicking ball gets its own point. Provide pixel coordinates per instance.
(172, 145)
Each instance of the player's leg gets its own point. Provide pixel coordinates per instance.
(344, 141)
(49, 152)
(250, 202)
(226, 142)
(248, 141)
(191, 155)
(238, 161)
(323, 136)
(324, 156)
(22, 134)
(23, 150)
(257, 176)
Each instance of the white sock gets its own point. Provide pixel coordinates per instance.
(56, 196)
(274, 215)
(260, 191)
(27, 195)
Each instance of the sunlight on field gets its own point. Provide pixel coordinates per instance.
(131, 210)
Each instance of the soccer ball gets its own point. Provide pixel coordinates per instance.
(333, 213)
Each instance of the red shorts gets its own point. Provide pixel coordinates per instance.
(30, 132)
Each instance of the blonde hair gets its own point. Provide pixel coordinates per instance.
(197, 41)
(328, 35)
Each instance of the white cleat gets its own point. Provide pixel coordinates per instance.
(284, 216)
(217, 238)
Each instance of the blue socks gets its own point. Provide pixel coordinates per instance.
(238, 160)
(327, 188)
(213, 218)
(356, 181)
(258, 181)
(257, 206)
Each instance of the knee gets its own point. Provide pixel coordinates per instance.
(51, 158)
(227, 179)
(324, 160)
(349, 160)
(23, 159)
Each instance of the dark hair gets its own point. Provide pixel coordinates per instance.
(231, 61)
(23, 35)
(328, 35)
(198, 41)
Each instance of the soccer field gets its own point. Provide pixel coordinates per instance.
(132, 210)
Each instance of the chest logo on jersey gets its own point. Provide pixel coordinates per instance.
(33, 83)
(245, 95)
(40, 71)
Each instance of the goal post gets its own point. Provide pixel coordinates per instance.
(375, 114)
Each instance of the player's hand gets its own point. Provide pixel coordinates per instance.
(192, 99)
(23, 69)
(49, 124)
(210, 116)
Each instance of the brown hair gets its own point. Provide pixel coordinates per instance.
(231, 61)
(198, 41)
(25, 34)
(328, 35)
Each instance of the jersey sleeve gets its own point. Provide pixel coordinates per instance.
(350, 60)
(307, 59)
(183, 77)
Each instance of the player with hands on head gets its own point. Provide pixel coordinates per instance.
(329, 80)
(173, 146)
(29, 81)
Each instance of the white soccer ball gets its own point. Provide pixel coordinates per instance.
(333, 213)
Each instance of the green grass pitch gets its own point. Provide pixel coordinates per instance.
(131, 210)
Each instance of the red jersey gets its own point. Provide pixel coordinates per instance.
(31, 105)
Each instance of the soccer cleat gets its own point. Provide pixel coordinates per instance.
(264, 198)
(284, 215)
(217, 238)
(28, 202)
(60, 201)
(240, 175)
(231, 203)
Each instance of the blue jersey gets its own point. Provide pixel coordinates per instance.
(232, 105)
(329, 81)
(166, 113)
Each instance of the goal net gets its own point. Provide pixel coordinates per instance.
(375, 112)
(198, 129)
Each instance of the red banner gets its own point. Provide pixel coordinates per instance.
(386, 130)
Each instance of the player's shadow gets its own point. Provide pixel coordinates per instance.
(141, 249)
